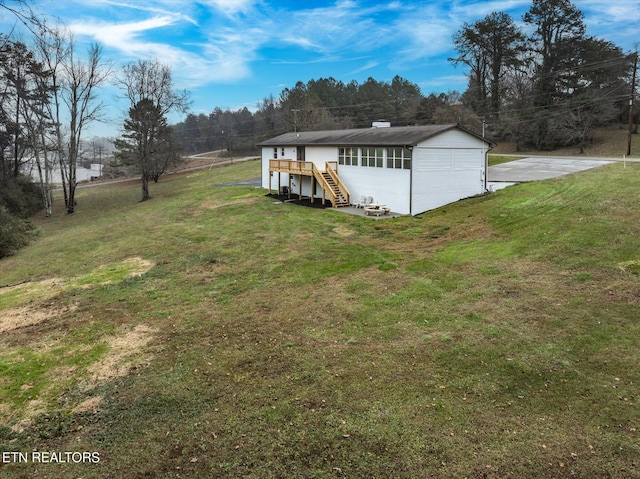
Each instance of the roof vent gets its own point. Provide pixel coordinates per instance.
(381, 124)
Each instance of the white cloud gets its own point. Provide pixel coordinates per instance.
(222, 57)
(365, 67)
(620, 11)
(124, 37)
(232, 7)
(451, 82)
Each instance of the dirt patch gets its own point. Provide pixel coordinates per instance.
(33, 409)
(121, 356)
(632, 266)
(29, 290)
(29, 302)
(342, 231)
(17, 318)
(139, 266)
(91, 405)
(124, 353)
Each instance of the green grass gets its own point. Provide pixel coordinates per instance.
(495, 337)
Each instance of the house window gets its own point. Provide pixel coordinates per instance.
(399, 158)
(348, 156)
(282, 152)
(372, 157)
(275, 153)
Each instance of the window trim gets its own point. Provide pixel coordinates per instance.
(375, 160)
(399, 162)
(348, 156)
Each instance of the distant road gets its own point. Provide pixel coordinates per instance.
(206, 166)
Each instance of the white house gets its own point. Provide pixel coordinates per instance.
(411, 169)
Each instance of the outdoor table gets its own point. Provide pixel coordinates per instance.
(376, 209)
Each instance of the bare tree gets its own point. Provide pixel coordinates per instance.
(147, 84)
(74, 83)
(38, 128)
(151, 80)
(82, 77)
(23, 13)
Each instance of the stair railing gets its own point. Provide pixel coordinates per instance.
(317, 174)
(333, 172)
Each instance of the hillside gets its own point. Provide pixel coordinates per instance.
(606, 142)
(212, 332)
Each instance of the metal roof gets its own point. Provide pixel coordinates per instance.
(385, 136)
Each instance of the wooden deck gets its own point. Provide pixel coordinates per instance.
(332, 186)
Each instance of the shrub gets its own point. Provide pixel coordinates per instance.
(20, 196)
(15, 233)
(19, 199)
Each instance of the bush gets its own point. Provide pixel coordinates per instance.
(15, 233)
(19, 199)
(20, 196)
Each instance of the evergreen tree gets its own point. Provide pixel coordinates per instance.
(147, 142)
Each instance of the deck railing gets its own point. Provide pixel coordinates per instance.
(290, 166)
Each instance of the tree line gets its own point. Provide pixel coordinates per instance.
(322, 104)
(542, 90)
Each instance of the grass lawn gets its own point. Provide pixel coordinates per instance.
(210, 332)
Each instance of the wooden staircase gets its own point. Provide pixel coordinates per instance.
(332, 186)
(338, 198)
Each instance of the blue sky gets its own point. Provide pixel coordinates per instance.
(235, 53)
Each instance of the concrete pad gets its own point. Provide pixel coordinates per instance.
(541, 168)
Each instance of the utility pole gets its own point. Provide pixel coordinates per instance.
(633, 92)
(295, 120)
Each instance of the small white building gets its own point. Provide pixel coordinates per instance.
(410, 169)
(30, 168)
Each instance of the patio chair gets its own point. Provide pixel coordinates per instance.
(362, 203)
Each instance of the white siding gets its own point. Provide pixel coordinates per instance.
(454, 139)
(442, 176)
(319, 155)
(388, 186)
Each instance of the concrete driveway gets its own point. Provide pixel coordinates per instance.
(541, 168)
